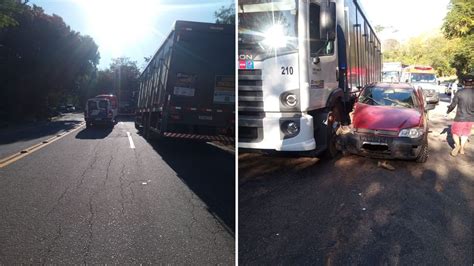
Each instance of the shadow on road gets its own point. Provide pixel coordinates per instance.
(208, 171)
(97, 132)
(349, 211)
(126, 118)
(35, 131)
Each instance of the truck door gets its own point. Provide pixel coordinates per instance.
(322, 60)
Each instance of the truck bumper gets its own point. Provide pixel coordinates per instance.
(269, 135)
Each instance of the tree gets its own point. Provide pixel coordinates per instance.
(433, 50)
(225, 15)
(459, 25)
(459, 22)
(8, 8)
(126, 75)
(43, 62)
(379, 28)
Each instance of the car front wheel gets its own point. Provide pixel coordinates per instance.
(423, 156)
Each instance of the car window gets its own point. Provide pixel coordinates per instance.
(103, 104)
(92, 105)
(388, 97)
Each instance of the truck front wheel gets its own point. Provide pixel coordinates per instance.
(334, 120)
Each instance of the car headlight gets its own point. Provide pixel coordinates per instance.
(275, 37)
(411, 132)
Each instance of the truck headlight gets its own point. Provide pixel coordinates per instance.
(290, 128)
(413, 133)
(275, 37)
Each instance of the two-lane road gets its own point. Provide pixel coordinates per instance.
(93, 197)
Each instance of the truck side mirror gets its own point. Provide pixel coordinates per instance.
(328, 20)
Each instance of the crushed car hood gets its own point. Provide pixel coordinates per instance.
(385, 117)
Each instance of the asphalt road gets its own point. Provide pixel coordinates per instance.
(349, 211)
(90, 198)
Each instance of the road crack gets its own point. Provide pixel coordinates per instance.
(122, 193)
(90, 226)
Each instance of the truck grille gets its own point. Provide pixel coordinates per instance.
(250, 105)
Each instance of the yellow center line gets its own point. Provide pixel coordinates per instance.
(25, 152)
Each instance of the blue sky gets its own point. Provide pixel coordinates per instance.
(131, 28)
(406, 18)
(136, 28)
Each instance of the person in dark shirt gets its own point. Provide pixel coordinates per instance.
(464, 119)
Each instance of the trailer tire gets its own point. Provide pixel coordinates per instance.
(335, 115)
(146, 127)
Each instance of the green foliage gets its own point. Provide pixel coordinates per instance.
(121, 79)
(433, 50)
(225, 15)
(43, 62)
(459, 22)
(459, 26)
(8, 8)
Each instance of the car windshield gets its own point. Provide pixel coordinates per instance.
(422, 77)
(388, 97)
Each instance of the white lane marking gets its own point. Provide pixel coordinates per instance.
(132, 146)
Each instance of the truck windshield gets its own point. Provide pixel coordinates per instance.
(423, 77)
(267, 28)
(391, 76)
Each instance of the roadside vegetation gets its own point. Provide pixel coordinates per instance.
(450, 51)
(45, 64)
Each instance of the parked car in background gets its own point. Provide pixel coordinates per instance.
(70, 108)
(389, 121)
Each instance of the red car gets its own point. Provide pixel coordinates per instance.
(389, 121)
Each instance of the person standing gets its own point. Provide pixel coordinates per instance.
(464, 119)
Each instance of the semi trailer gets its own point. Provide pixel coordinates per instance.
(299, 63)
(187, 89)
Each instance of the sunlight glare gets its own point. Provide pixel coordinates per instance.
(119, 24)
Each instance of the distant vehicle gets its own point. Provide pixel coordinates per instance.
(391, 71)
(113, 102)
(423, 77)
(188, 88)
(70, 108)
(99, 111)
(390, 121)
(62, 109)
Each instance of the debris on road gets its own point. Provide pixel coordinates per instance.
(386, 165)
